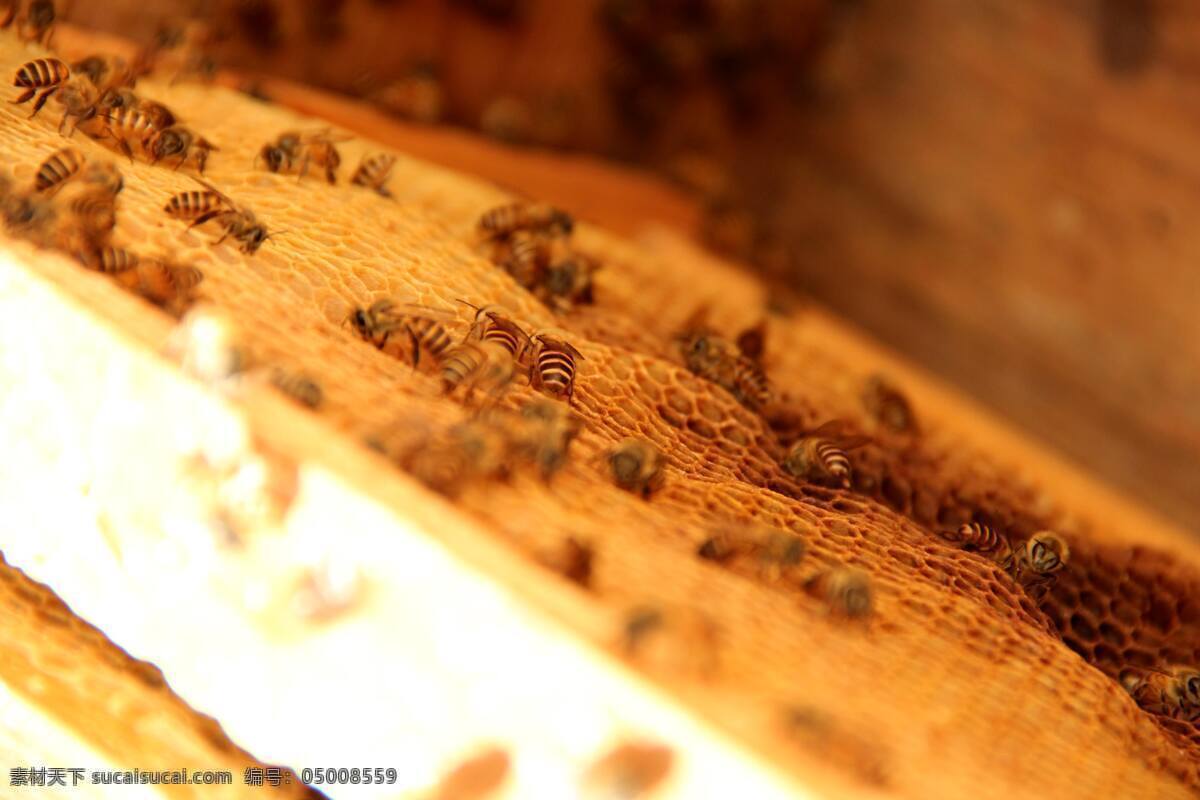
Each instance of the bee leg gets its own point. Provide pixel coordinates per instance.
(41, 101)
(416, 349)
(125, 149)
(24, 98)
(330, 174)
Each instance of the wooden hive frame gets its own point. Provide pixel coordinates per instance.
(458, 641)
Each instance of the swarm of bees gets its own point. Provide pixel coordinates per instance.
(737, 368)
(97, 97)
(532, 243)
(72, 207)
(485, 360)
(297, 151)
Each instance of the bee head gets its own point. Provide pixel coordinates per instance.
(1047, 553)
(273, 156)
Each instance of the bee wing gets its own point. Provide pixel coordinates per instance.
(223, 197)
(417, 310)
(697, 321)
(325, 135)
(852, 442)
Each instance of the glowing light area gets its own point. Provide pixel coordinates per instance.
(434, 661)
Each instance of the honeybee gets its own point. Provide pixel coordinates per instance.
(417, 96)
(544, 435)
(27, 215)
(1036, 564)
(1175, 693)
(59, 167)
(373, 172)
(111, 260)
(846, 591)
(572, 559)
(887, 405)
(300, 388)
(477, 365)
(198, 207)
(37, 23)
(386, 325)
(135, 120)
(94, 211)
(314, 147)
(777, 552)
(711, 357)
(107, 73)
(820, 454)
(79, 99)
(44, 75)
(467, 451)
(505, 220)
(491, 325)
(637, 466)
(569, 280)
(526, 259)
(178, 141)
(982, 539)
(103, 175)
(630, 770)
(182, 44)
(169, 286)
(552, 366)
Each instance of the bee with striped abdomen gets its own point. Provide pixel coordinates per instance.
(1174, 693)
(58, 168)
(390, 326)
(888, 406)
(42, 77)
(526, 258)
(111, 260)
(846, 591)
(103, 175)
(983, 539)
(179, 141)
(710, 356)
(308, 148)
(477, 365)
(94, 210)
(493, 325)
(505, 220)
(636, 466)
(138, 122)
(820, 455)
(552, 366)
(373, 173)
(197, 207)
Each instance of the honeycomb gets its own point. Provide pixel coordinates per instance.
(120, 701)
(958, 683)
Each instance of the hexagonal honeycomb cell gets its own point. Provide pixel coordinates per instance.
(958, 677)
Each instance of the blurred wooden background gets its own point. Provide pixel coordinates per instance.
(999, 189)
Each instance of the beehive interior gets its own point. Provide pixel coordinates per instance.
(957, 677)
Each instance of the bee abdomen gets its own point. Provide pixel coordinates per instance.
(557, 370)
(980, 537)
(460, 363)
(503, 337)
(60, 166)
(41, 72)
(834, 460)
(191, 204)
(432, 336)
(113, 259)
